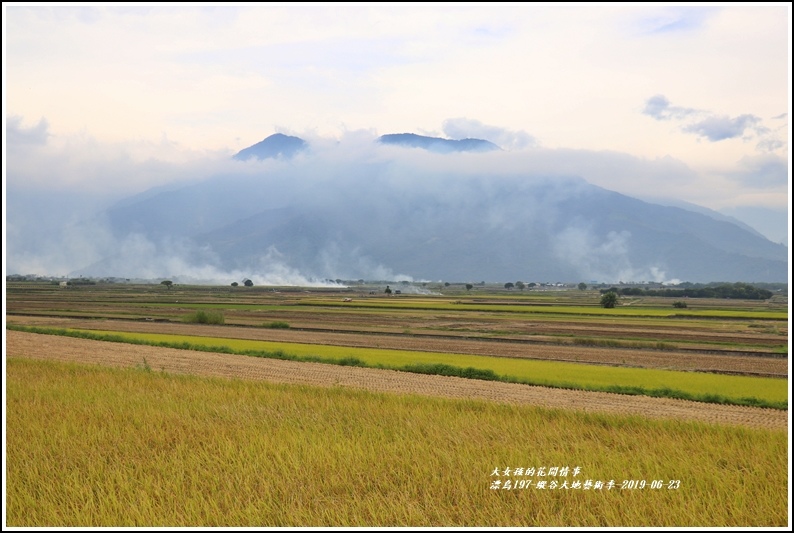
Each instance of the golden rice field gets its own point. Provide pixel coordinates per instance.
(112, 444)
(96, 446)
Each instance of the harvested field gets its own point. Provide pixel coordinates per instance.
(20, 344)
(667, 359)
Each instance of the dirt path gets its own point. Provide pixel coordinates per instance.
(666, 359)
(20, 344)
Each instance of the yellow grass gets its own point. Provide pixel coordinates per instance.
(91, 446)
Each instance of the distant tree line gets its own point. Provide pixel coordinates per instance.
(736, 291)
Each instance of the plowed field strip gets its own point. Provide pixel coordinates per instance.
(20, 344)
(671, 360)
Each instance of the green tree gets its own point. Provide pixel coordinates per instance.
(388, 290)
(582, 286)
(509, 285)
(469, 286)
(520, 285)
(532, 284)
(167, 283)
(234, 283)
(248, 283)
(609, 299)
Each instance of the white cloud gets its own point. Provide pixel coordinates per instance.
(718, 128)
(659, 107)
(462, 128)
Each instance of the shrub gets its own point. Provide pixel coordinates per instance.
(609, 299)
(679, 305)
(205, 317)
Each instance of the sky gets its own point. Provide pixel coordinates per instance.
(657, 101)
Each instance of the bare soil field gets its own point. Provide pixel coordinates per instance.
(20, 344)
(454, 324)
(662, 359)
(746, 336)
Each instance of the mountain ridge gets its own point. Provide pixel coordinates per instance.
(273, 146)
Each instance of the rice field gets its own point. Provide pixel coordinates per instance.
(548, 373)
(103, 446)
(89, 446)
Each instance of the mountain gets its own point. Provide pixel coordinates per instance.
(704, 211)
(437, 144)
(579, 233)
(376, 218)
(277, 145)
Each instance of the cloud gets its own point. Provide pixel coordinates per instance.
(714, 127)
(761, 171)
(769, 145)
(462, 128)
(659, 108)
(718, 128)
(36, 159)
(35, 135)
(668, 19)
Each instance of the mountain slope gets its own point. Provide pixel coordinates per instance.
(566, 238)
(374, 218)
(277, 145)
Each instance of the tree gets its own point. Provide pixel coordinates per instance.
(582, 286)
(532, 284)
(234, 283)
(388, 290)
(248, 283)
(508, 285)
(167, 283)
(520, 285)
(469, 286)
(609, 299)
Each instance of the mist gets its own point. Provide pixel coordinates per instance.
(79, 209)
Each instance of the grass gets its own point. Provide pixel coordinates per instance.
(613, 343)
(712, 388)
(277, 324)
(89, 446)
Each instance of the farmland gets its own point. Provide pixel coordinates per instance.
(702, 347)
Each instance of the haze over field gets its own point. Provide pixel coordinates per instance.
(674, 105)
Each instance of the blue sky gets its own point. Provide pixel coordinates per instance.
(651, 100)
